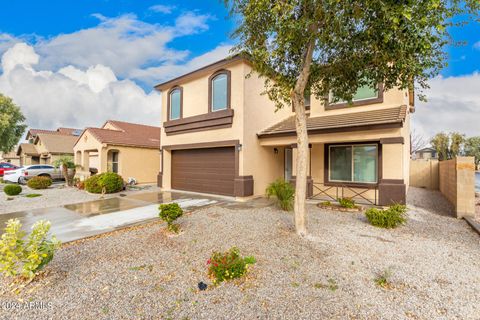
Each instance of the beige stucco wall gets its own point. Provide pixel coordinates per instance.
(140, 163)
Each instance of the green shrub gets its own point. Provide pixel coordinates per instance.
(39, 182)
(283, 192)
(326, 203)
(107, 182)
(170, 212)
(25, 257)
(12, 189)
(388, 218)
(228, 265)
(347, 203)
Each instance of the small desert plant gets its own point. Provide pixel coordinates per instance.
(25, 257)
(12, 189)
(347, 203)
(107, 182)
(283, 192)
(326, 203)
(1, 180)
(383, 279)
(39, 182)
(389, 218)
(169, 213)
(228, 265)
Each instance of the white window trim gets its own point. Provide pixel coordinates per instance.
(353, 163)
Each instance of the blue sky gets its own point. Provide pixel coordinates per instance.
(106, 55)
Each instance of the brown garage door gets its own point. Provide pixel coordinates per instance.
(209, 170)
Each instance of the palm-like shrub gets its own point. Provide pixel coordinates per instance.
(283, 192)
(65, 162)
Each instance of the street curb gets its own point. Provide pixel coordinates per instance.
(475, 225)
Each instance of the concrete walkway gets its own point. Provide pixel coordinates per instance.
(81, 220)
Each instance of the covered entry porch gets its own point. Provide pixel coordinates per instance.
(368, 163)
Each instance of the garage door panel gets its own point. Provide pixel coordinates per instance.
(210, 170)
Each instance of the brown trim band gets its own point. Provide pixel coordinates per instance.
(207, 121)
(393, 125)
(213, 144)
(210, 88)
(394, 140)
(336, 106)
(392, 181)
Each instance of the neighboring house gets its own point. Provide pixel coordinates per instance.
(425, 153)
(10, 157)
(46, 146)
(222, 136)
(131, 150)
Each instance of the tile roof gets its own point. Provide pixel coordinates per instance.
(27, 148)
(59, 131)
(128, 134)
(340, 121)
(58, 143)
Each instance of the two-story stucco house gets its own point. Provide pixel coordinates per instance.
(222, 136)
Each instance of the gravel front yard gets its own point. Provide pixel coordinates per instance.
(142, 273)
(56, 195)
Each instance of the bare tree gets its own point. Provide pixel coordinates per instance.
(417, 141)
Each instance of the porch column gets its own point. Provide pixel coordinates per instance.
(391, 187)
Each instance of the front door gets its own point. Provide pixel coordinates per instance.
(288, 164)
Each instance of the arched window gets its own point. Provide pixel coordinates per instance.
(220, 91)
(175, 104)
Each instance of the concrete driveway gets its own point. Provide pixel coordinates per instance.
(81, 220)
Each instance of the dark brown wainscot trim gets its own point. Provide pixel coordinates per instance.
(394, 140)
(293, 181)
(392, 191)
(379, 99)
(181, 102)
(210, 87)
(207, 121)
(243, 186)
(326, 164)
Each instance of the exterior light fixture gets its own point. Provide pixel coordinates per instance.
(239, 147)
(275, 150)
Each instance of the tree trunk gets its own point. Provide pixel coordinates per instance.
(298, 101)
(65, 175)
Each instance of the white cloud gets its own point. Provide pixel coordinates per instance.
(125, 44)
(161, 8)
(73, 97)
(476, 45)
(453, 105)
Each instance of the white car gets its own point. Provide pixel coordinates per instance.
(22, 174)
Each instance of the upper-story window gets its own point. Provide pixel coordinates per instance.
(364, 95)
(175, 103)
(219, 91)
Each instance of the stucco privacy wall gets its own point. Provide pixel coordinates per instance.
(424, 173)
(457, 184)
